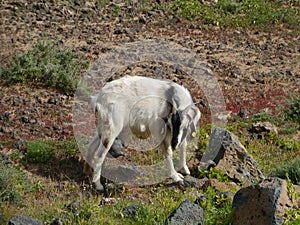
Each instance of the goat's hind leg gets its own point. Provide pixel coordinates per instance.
(98, 160)
(90, 155)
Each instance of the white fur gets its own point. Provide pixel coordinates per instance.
(138, 105)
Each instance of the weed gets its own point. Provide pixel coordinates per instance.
(214, 173)
(203, 139)
(217, 207)
(293, 217)
(288, 144)
(290, 171)
(11, 183)
(293, 214)
(261, 117)
(46, 64)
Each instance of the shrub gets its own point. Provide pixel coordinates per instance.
(46, 64)
(290, 171)
(38, 152)
(292, 112)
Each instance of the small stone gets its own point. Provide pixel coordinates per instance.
(107, 201)
(33, 120)
(200, 184)
(244, 113)
(24, 220)
(142, 19)
(56, 127)
(25, 119)
(187, 212)
(21, 145)
(130, 210)
(57, 221)
(52, 101)
(73, 206)
(261, 129)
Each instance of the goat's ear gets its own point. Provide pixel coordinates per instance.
(172, 99)
(174, 106)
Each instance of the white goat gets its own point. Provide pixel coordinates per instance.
(143, 107)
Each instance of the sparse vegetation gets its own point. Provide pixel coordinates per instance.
(13, 183)
(213, 173)
(44, 180)
(292, 112)
(47, 64)
(239, 13)
(217, 207)
(290, 171)
(261, 117)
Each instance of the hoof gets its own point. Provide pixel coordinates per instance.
(115, 153)
(177, 177)
(98, 186)
(185, 171)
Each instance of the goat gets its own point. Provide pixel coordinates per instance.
(143, 107)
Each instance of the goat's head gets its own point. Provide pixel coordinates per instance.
(184, 124)
(183, 121)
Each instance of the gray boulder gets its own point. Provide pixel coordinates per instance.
(188, 213)
(263, 203)
(24, 220)
(231, 157)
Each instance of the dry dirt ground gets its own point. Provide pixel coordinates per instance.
(256, 67)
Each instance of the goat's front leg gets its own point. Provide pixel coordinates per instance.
(177, 177)
(182, 161)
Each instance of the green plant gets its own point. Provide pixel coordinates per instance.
(65, 149)
(238, 13)
(292, 113)
(288, 144)
(290, 171)
(11, 182)
(293, 217)
(261, 117)
(38, 151)
(46, 64)
(203, 139)
(217, 207)
(214, 173)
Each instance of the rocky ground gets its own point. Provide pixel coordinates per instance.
(256, 68)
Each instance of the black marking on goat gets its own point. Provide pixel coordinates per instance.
(105, 142)
(176, 122)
